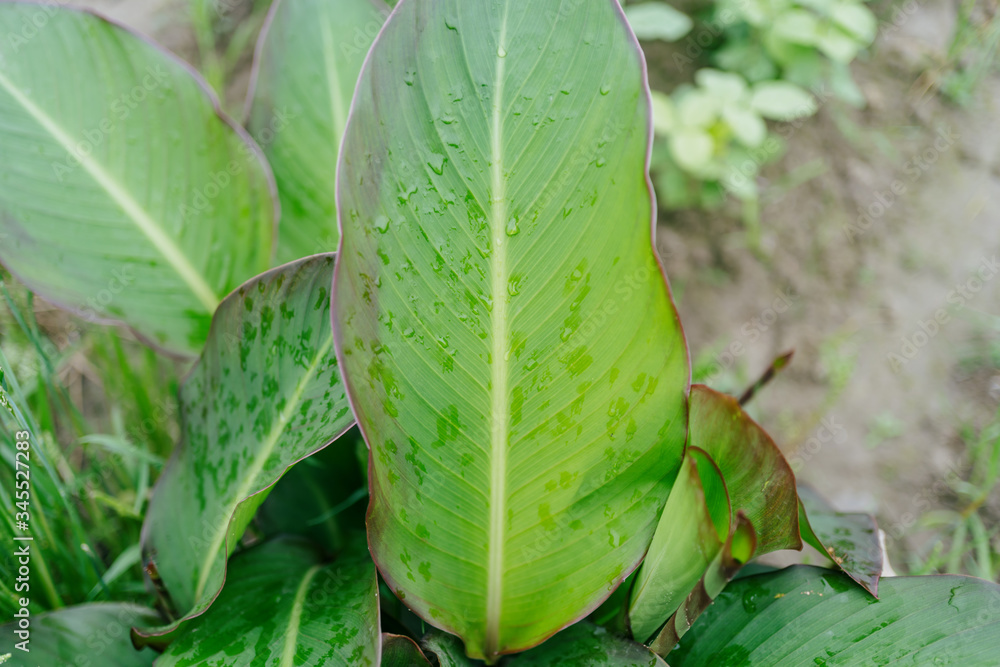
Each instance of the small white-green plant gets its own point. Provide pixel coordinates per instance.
(713, 138)
(807, 42)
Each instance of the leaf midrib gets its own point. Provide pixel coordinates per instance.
(291, 638)
(129, 206)
(270, 443)
(500, 410)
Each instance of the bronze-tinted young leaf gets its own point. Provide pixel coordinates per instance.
(283, 606)
(265, 394)
(307, 62)
(812, 616)
(125, 195)
(399, 651)
(588, 645)
(758, 478)
(737, 551)
(90, 634)
(849, 540)
(692, 530)
(511, 349)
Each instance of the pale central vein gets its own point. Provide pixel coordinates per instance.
(250, 480)
(500, 410)
(132, 209)
(295, 618)
(333, 82)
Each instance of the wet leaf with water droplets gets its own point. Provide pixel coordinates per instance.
(537, 304)
(265, 394)
(851, 541)
(62, 637)
(283, 606)
(805, 615)
(587, 645)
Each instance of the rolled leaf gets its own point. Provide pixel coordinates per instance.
(692, 530)
(851, 541)
(265, 394)
(447, 650)
(807, 615)
(737, 551)
(508, 338)
(399, 651)
(282, 606)
(125, 194)
(95, 632)
(758, 478)
(306, 65)
(587, 645)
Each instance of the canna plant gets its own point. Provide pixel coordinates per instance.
(544, 486)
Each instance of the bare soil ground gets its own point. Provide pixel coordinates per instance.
(871, 432)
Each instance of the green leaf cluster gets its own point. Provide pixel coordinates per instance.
(544, 484)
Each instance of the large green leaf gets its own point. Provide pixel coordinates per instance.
(758, 478)
(87, 635)
(806, 615)
(125, 195)
(265, 394)
(587, 645)
(283, 606)
(692, 530)
(851, 541)
(307, 63)
(511, 349)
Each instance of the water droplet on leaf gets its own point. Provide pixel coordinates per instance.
(436, 163)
